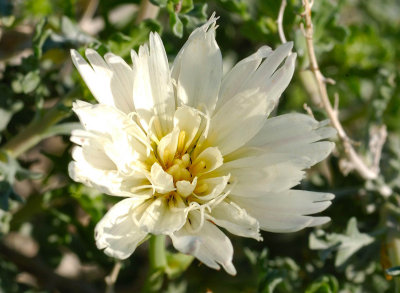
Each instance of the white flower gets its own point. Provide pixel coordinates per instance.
(191, 151)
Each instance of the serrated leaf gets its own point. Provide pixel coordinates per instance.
(186, 6)
(345, 244)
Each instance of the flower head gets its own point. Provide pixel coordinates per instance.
(191, 150)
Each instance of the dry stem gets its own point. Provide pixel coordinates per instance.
(279, 21)
(146, 11)
(112, 277)
(355, 161)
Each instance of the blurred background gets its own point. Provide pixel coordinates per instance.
(47, 220)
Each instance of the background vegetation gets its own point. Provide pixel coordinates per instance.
(47, 221)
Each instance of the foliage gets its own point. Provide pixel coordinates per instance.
(356, 44)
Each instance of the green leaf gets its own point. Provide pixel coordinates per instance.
(122, 44)
(237, 6)
(10, 171)
(346, 244)
(176, 24)
(7, 113)
(160, 3)
(30, 82)
(40, 36)
(177, 263)
(325, 284)
(61, 129)
(186, 6)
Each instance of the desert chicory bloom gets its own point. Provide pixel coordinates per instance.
(190, 150)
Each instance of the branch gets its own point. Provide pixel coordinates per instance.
(50, 280)
(279, 22)
(146, 11)
(112, 277)
(35, 131)
(356, 163)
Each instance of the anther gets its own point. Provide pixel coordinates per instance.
(181, 142)
(201, 188)
(166, 157)
(197, 167)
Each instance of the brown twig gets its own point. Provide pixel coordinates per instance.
(279, 22)
(112, 277)
(355, 162)
(146, 11)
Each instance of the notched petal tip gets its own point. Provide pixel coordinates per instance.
(211, 22)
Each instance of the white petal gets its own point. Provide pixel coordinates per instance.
(230, 216)
(94, 154)
(185, 188)
(237, 121)
(99, 118)
(197, 69)
(285, 211)
(294, 133)
(121, 82)
(161, 180)
(99, 84)
(213, 187)
(167, 147)
(123, 141)
(103, 180)
(268, 67)
(211, 158)
(117, 233)
(152, 88)
(279, 81)
(110, 182)
(240, 74)
(113, 78)
(209, 245)
(161, 216)
(255, 175)
(187, 120)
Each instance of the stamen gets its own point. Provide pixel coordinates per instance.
(166, 157)
(185, 175)
(174, 171)
(150, 133)
(181, 142)
(185, 160)
(157, 126)
(197, 229)
(197, 167)
(201, 188)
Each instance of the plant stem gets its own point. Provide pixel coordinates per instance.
(157, 255)
(146, 11)
(35, 131)
(356, 163)
(158, 264)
